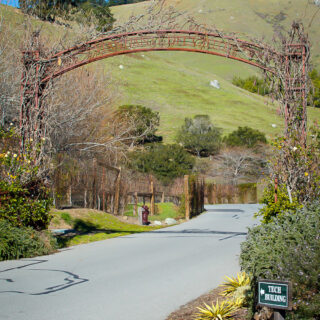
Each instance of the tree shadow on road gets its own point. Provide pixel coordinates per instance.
(66, 280)
(197, 232)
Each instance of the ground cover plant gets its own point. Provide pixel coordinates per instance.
(216, 304)
(219, 311)
(24, 242)
(288, 248)
(237, 289)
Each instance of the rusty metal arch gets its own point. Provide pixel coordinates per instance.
(40, 69)
(160, 40)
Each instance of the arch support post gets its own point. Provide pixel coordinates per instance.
(32, 113)
(294, 83)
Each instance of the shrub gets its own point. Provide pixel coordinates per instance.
(252, 84)
(25, 205)
(166, 162)
(24, 199)
(199, 136)
(23, 242)
(273, 209)
(315, 93)
(288, 248)
(245, 136)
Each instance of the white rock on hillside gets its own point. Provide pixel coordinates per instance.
(215, 84)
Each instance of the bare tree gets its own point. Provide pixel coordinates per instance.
(236, 164)
(9, 78)
(76, 108)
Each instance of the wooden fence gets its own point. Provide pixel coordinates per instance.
(194, 187)
(224, 194)
(102, 187)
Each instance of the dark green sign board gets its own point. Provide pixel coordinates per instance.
(274, 294)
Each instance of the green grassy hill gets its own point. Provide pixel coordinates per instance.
(177, 84)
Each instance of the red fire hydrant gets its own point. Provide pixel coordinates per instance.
(145, 213)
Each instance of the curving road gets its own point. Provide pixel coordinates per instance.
(138, 277)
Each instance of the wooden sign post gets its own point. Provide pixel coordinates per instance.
(152, 200)
(276, 295)
(186, 196)
(117, 193)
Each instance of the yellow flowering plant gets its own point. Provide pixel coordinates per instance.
(24, 200)
(297, 167)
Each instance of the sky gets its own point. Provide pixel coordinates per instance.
(13, 3)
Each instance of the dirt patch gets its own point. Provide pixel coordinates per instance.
(188, 311)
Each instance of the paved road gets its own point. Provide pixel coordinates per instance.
(138, 277)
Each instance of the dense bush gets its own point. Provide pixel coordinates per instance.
(252, 84)
(288, 248)
(166, 162)
(273, 209)
(245, 136)
(24, 199)
(315, 93)
(25, 205)
(23, 242)
(199, 136)
(257, 85)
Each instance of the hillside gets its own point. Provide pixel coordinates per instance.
(177, 84)
(255, 18)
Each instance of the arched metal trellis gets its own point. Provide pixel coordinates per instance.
(288, 65)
